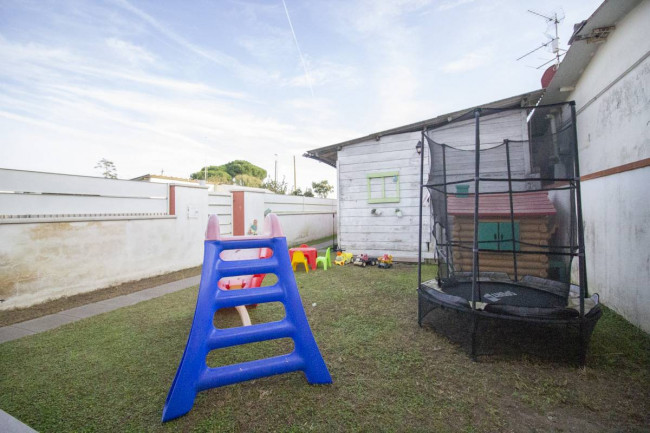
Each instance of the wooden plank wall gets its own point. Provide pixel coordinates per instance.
(362, 232)
(534, 230)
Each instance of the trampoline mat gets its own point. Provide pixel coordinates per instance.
(511, 294)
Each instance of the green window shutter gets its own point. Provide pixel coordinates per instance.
(488, 236)
(505, 237)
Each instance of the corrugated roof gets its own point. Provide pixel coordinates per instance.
(534, 203)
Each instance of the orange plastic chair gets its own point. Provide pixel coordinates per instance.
(299, 257)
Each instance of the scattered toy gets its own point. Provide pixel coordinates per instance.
(385, 261)
(363, 260)
(343, 258)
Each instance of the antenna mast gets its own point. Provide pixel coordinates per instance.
(554, 40)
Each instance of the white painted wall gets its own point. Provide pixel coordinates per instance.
(617, 237)
(254, 210)
(363, 232)
(41, 261)
(56, 243)
(220, 204)
(616, 123)
(613, 130)
(359, 230)
(34, 193)
(303, 218)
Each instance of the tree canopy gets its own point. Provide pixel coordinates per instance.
(108, 168)
(227, 172)
(276, 186)
(247, 180)
(322, 188)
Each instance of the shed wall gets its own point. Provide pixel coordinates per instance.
(385, 231)
(361, 231)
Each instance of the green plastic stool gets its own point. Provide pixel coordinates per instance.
(325, 260)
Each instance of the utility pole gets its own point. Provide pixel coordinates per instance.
(276, 168)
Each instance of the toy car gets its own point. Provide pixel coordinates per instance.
(385, 261)
(343, 258)
(363, 260)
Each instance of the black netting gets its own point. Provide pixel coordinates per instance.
(483, 335)
(504, 186)
(526, 184)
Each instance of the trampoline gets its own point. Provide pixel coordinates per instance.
(506, 221)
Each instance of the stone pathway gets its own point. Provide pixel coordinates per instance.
(45, 323)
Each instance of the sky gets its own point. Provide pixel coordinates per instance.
(166, 87)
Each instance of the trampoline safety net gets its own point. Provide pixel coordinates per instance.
(505, 205)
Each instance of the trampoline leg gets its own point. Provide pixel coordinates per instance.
(473, 341)
(583, 345)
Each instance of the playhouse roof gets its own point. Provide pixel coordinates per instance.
(534, 203)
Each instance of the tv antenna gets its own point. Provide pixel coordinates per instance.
(553, 42)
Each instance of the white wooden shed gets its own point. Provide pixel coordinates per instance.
(379, 177)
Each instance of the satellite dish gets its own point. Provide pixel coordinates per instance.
(548, 75)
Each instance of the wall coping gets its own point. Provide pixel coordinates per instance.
(33, 219)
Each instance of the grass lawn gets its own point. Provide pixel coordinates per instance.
(112, 372)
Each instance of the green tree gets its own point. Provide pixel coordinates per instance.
(308, 193)
(107, 168)
(247, 180)
(275, 186)
(213, 171)
(322, 188)
(220, 178)
(239, 166)
(230, 170)
(296, 191)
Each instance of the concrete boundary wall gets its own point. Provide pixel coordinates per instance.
(220, 204)
(48, 260)
(303, 218)
(63, 235)
(28, 194)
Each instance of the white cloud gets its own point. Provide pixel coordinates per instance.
(469, 61)
(134, 54)
(451, 4)
(178, 89)
(325, 72)
(371, 17)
